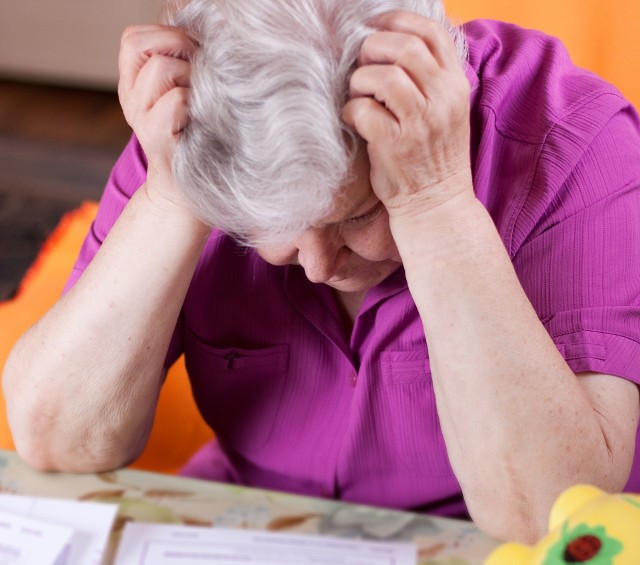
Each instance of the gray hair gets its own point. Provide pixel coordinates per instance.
(266, 151)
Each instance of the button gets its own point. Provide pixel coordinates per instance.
(230, 359)
(353, 379)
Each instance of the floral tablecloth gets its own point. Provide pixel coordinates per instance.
(152, 497)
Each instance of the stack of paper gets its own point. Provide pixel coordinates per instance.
(43, 531)
(152, 544)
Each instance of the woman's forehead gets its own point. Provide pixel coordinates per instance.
(354, 195)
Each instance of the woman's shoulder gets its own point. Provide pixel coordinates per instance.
(529, 82)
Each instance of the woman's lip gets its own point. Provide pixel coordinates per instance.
(338, 278)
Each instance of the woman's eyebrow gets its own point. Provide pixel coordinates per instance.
(352, 213)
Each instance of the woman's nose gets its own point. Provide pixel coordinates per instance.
(322, 254)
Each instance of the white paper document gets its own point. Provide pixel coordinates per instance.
(152, 544)
(89, 524)
(26, 541)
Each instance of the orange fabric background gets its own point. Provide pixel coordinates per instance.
(178, 429)
(600, 36)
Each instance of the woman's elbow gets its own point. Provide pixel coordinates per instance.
(38, 440)
(18, 412)
(518, 509)
(49, 440)
(512, 504)
(510, 521)
(60, 456)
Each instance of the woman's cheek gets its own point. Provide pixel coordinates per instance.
(373, 242)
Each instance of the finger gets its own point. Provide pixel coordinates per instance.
(390, 86)
(369, 119)
(140, 43)
(168, 118)
(404, 50)
(158, 76)
(177, 106)
(432, 33)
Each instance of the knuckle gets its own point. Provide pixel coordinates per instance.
(427, 25)
(424, 110)
(368, 42)
(157, 64)
(174, 102)
(350, 112)
(182, 97)
(358, 81)
(411, 20)
(356, 76)
(181, 40)
(412, 51)
(396, 16)
(358, 110)
(393, 77)
(411, 45)
(433, 25)
(131, 45)
(128, 34)
(159, 68)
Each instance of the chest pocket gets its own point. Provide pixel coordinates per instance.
(238, 391)
(409, 400)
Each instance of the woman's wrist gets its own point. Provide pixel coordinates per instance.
(168, 205)
(425, 229)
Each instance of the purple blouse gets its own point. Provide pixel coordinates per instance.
(296, 406)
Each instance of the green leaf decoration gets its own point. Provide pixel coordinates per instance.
(609, 548)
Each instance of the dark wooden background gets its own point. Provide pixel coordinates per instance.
(57, 146)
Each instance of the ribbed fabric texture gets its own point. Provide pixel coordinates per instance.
(299, 407)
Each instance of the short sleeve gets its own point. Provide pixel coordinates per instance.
(580, 265)
(127, 176)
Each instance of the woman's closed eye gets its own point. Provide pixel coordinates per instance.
(368, 216)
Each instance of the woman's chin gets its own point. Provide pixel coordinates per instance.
(349, 285)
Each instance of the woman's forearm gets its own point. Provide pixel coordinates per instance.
(517, 424)
(82, 385)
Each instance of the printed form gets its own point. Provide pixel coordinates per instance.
(25, 541)
(152, 544)
(84, 526)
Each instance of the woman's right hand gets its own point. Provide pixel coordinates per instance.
(155, 70)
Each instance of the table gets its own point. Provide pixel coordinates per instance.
(152, 497)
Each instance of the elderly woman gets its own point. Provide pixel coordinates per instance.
(401, 273)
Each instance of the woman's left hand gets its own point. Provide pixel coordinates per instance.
(409, 100)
